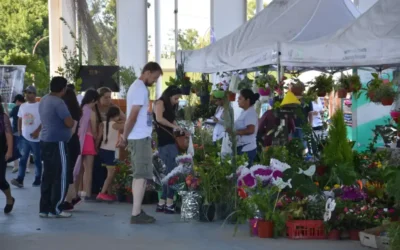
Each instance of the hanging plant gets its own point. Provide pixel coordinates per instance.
(372, 87)
(322, 85)
(354, 83)
(297, 87)
(385, 94)
(246, 83)
(265, 84)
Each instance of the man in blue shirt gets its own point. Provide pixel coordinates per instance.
(56, 131)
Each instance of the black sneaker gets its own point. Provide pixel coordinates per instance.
(17, 183)
(36, 183)
(142, 218)
(9, 207)
(67, 206)
(76, 201)
(160, 208)
(169, 209)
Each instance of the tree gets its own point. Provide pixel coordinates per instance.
(23, 23)
(251, 8)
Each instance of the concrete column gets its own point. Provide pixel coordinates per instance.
(59, 34)
(364, 5)
(132, 33)
(157, 43)
(259, 6)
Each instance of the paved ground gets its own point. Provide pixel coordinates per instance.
(99, 226)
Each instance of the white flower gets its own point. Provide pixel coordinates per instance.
(309, 172)
(277, 165)
(329, 208)
(281, 184)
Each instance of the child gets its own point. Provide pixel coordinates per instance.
(107, 150)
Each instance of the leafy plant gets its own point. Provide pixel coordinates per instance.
(246, 83)
(372, 87)
(203, 87)
(123, 177)
(266, 81)
(127, 76)
(385, 91)
(322, 84)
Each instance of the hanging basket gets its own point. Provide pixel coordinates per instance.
(264, 91)
(354, 87)
(395, 115)
(387, 101)
(297, 90)
(371, 95)
(342, 93)
(232, 96)
(321, 93)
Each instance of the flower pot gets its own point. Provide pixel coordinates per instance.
(387, 101)
(354, 87)
(205, 99)
(297, 91)
(121, 197)
(264, 91)
(186, 89)
(354, 234)
(321, 93)
(395, 115)
(219, 94)
(207, 212)
(265, 229)
(334, 235)
(253, 227)
(342, 93)
(232, 97)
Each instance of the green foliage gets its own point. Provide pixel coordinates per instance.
(394, 236)
(127, 76)
(24, 23)
(322, 84)
(385, 91)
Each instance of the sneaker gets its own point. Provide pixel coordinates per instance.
(36, 183)
(104, 197)
(169, 209)
(43, 215)
(67, 206)
(160, 208)
(17, 183)
(76, 201)
(9, 207)
(27, 170)
(60, 215)
(14, 170)
(142, 218)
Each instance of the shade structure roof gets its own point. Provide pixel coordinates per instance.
(256, 42)
(371, 40)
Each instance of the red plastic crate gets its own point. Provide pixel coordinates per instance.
(305, 229)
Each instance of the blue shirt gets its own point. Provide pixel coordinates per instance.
(53, 111)
(14, 116)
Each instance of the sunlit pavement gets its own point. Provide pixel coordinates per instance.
(102, 226)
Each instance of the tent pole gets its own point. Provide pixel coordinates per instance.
(176, 32)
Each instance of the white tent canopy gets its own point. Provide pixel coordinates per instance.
(256, 42)
(371, 40)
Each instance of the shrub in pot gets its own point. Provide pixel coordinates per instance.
(265, 83)
(385, 94)
(322, 85)
(373, 86)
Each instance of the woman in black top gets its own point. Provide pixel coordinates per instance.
(6, 152)
(164, 114)
(73, 147)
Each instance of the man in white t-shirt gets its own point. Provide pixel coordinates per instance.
(29, 126)
(137, 135)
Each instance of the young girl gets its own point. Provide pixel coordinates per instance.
(107, 150)
(88, 135)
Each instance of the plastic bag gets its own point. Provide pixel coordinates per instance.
(190, 148)
(226, 148)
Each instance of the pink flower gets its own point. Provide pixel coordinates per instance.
(346, 210)
(277, 174)
(263, 172)
(248, 180)
(364, 208)
(391, 210)
(376, 216)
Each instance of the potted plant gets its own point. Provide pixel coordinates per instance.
(354, 83)
(322, 85)
(122, 180)
(265, 83)
(202, 88)
(297, 87)
(372, 86)
(343, 86)
(386, 94)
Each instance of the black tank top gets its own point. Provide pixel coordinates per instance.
(163, 137)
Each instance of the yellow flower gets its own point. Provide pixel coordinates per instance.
(327, 188)
(336, 186)
(378, 164)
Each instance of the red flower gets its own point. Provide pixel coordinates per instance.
(173, 180)
(242, 194)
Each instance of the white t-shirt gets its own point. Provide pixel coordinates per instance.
(246, 118)
(29, 112)
(79, 97)
(138, 95)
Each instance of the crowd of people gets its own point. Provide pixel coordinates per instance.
(66, 133)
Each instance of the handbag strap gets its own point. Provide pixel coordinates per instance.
(166, 130)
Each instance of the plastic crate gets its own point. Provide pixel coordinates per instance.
(305, 229)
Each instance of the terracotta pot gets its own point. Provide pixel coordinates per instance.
(321, 93)
(395, 115)
(265, 229)
(371, 95)
(354, 234)
(354, 87)
(387, 101)
(334, 235)
(253, 226)
(342, 93)
(232, 97)
(264, 91)
(297, 91)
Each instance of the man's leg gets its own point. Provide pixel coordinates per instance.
(47, 150)
(60, 187)
(38, 163)
(142, 166)
(25, 150)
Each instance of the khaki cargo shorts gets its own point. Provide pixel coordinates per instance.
(141, 158)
